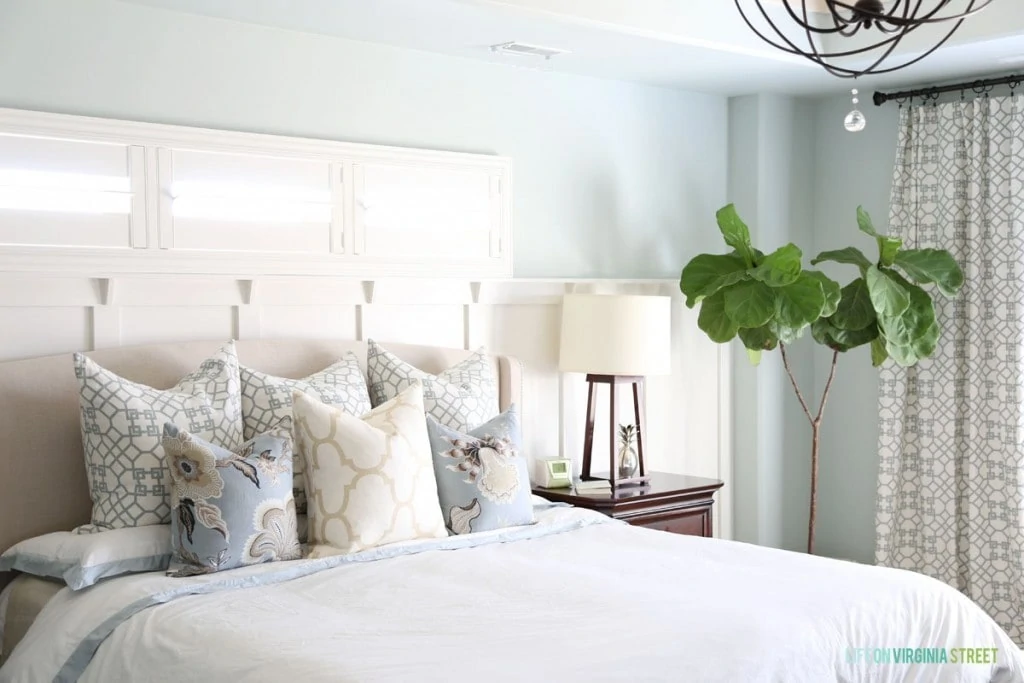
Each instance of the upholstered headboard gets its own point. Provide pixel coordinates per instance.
(42, 472)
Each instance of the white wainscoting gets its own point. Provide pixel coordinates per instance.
(689, 421)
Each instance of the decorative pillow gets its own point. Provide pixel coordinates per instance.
(267, 399)
(369, 479)
(462, 397)
(231, 509)
(483, 480)
(80, 560)
(121, 426)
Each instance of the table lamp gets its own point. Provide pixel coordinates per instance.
(616, 340)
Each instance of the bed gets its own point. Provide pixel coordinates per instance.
(575, 596)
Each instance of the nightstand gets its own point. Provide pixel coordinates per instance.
(669, 502)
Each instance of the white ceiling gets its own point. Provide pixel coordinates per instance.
(700, 45)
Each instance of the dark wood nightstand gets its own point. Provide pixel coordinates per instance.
(669, 502)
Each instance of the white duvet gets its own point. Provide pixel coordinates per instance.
(573, 598)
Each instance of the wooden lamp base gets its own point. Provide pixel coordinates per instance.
(613, 382)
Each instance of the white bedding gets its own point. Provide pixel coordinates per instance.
(578, 598)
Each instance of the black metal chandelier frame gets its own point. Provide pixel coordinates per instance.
(850, 17)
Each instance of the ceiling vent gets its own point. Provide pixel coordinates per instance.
(516, 48)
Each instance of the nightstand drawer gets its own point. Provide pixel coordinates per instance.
(695, 523)
(677, 503)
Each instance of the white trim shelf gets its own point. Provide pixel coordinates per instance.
(430, 203)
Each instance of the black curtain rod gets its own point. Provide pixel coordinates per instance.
(979, 87)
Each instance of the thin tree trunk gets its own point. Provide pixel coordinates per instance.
(813, 517)
(815, 421)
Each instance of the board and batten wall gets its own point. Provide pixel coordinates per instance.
(688, 423)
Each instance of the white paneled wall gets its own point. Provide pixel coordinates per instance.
(688, 418)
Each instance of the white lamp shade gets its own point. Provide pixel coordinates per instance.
(616, 335)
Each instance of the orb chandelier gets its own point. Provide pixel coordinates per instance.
(848, 18)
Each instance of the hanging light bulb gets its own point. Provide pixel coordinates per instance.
(855, 121)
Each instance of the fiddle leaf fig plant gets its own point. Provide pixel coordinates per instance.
(769, 301)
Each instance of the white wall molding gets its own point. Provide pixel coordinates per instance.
(44, 124)
(128, 197)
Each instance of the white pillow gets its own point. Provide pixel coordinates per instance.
(462, 397)
(370, 479)
(123, 421)
(266, 400)
(83, 559)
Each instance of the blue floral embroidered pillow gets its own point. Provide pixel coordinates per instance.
(483, 481)
(231, 509)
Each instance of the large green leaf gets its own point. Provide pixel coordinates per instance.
(831, 290)
(851, 339)
(888, 248)
(865, 223)
(849, 255)
(842, 340)
(713, 320)
(779, 268)
(786, 334)
(799, 304)
(750, 303)
(889, 298)
(820, 329)
(914, 334)
(855, 311)
(878, 352)
(906, 328)
(707, 273)
(758, 338)
(909, 355)
(736, 233)
(932, 265)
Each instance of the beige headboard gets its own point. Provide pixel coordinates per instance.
(42, 473)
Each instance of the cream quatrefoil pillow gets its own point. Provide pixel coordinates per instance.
(370, 479)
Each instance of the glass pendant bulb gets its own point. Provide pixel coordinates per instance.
(855, 121)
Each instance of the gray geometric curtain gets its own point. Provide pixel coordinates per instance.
(951, 478)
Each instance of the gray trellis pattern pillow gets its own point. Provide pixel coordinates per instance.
(122, 424)
(483, 481)
(267, 399)
(462, 397)
(231, 508)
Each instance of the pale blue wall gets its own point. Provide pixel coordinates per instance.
(850, 170)
(797, 175)
(770, 172)
(612, 179)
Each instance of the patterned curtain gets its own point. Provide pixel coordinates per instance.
(951, 477)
